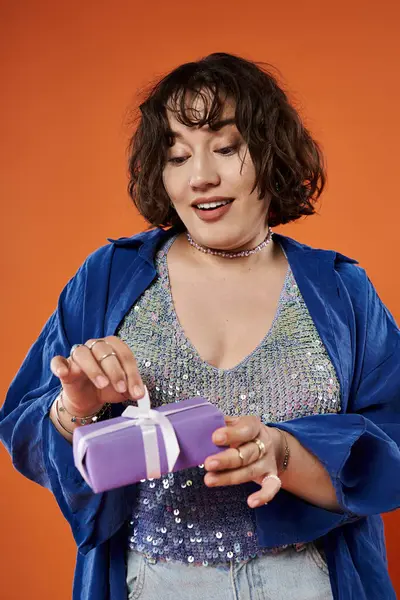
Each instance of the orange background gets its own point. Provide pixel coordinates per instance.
(69, 72)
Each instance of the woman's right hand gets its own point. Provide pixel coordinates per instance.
(99, 371)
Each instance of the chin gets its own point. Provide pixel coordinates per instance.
(218, 240)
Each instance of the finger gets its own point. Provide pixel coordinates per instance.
(231, 459)
(253, 472)
(85, 360)
(65, 369)
(270, 486)
(129, 366)
(59, 366)
(108, 361)
(240, 431)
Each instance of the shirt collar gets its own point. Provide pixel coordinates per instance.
(149, 241)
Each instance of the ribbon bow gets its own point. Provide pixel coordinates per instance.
(147, 418)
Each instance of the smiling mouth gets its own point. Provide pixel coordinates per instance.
(210, 206)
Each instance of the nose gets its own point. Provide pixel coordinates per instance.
(204, 174)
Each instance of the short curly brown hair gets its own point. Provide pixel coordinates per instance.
(288, 162)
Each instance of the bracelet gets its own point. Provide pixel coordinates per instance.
(83, 420)
(58, 418)
(286, 454)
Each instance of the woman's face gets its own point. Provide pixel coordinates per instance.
(206, 165)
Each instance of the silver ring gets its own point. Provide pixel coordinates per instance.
(73, 348)
(106, 356)
(272, 476)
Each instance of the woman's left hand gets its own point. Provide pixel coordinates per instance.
(259, 458)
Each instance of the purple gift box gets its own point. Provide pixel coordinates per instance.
(146, 443)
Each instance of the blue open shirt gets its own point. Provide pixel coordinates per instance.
(359, 447)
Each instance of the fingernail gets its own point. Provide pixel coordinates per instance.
(220, 438)
(254, 502)
(138, 391)
(101, 381)
(213, 464)
(121, 386)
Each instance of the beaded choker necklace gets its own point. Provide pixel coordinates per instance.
(230, 254)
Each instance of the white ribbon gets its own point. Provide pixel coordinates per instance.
(147, 419)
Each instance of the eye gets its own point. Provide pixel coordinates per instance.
(177, 160)
(228, 150)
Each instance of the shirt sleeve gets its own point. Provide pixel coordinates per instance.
(358, 448)
(37, 449)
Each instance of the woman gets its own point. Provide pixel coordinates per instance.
(291, 343)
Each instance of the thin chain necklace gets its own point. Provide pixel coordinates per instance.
(230, 254)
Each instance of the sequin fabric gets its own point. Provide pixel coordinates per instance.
(288, 375)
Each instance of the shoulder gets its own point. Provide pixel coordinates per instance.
(299, 251)
(105, 269)
(149, 238)
(352, 280)
(144, 242)
(317, 263)
(291, 246)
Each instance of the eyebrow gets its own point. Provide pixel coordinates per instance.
(216, 127)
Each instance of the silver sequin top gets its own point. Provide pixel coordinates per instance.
(288, 375)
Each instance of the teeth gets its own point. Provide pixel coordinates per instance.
(213, 204)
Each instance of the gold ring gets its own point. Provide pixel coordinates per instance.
(74, 347)
(261, 446)
(240, 455)
(106, 356)
(95, 342)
